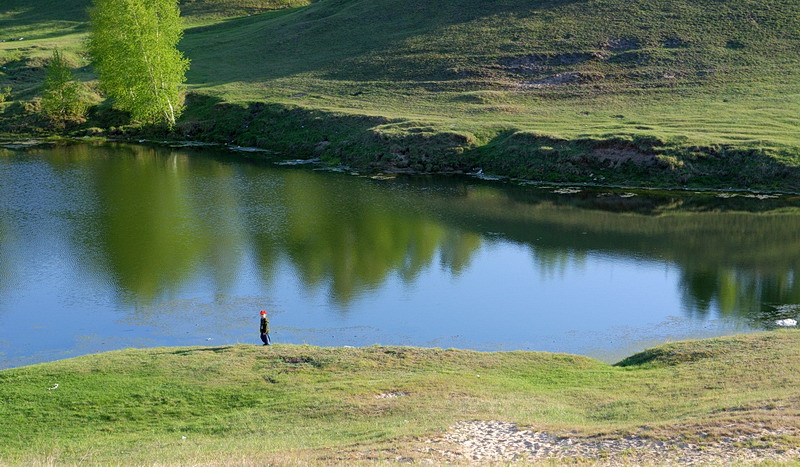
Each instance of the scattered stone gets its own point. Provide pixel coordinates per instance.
(297, 162)
(788, 322)
(24, 144)
(567, 191)
(391, 395)
(761, 196)
(189, 144)
(248, 149)
(563, 79)
(496, 441)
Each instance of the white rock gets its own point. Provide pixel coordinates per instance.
(786, 322)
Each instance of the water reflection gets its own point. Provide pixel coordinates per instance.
(354, 238)
(148, 221)
(744, 262)
(162, 217)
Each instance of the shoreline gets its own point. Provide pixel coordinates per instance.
(23, 142)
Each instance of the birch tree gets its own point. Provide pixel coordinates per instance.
(133, 45)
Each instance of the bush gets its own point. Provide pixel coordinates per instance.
(62, 100)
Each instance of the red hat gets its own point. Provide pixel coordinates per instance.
(263, 312)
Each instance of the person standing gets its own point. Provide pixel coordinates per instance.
(264, 328)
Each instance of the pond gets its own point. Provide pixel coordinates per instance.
(107, 247)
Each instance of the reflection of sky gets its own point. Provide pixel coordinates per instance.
(596, 307)
(58, 297)
(504, 302)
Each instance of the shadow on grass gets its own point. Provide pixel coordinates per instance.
(221, 349)
(366, 35)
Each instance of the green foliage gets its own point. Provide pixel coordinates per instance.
(134, 48)
(5, 93)
(62, 101)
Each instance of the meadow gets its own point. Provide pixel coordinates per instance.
(288, 404)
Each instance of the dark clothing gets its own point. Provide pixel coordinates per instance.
(265, 330)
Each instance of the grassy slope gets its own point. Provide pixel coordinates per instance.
(661, 78)
(667, 65)
(709, 71)
(247, 403)
(672, 80)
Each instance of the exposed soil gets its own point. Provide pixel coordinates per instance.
(620, 155)
(621, 44)
(538, 62)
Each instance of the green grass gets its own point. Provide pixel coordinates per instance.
(731, 68)
(673, 80)
(254, 404)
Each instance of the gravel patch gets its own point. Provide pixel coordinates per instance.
(496, 441)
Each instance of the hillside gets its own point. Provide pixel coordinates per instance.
(533, 89)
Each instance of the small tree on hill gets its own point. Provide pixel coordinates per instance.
(62, 101)
(133, 44)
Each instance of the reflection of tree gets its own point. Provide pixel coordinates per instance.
(739, 292)
(737, 262)
(162, 218)
(146, 221)
(352, 236)
(457, 249)
(215, 210)
(6, 255)
(555, 262)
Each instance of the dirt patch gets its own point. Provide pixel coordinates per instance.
(496, 441)
(617, 156)
(621, 44)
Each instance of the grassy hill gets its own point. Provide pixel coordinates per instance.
(288, 404)
(656, 92)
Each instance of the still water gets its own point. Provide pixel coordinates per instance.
(114, 246)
